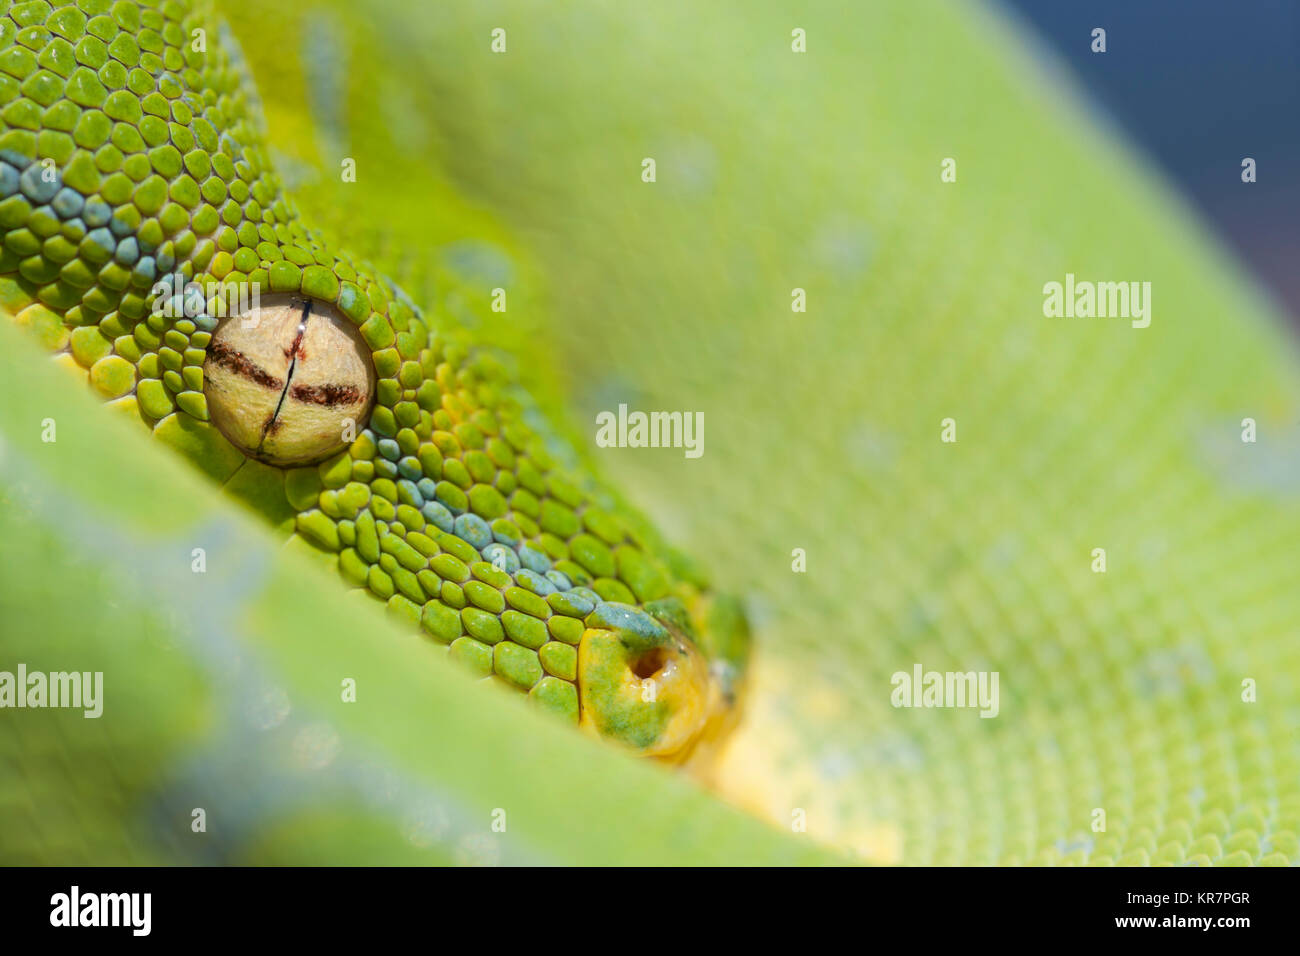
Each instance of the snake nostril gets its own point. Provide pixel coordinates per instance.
(649, 663)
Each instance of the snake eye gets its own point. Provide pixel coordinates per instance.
(284, 379)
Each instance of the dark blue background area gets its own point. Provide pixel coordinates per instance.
(1198, 85)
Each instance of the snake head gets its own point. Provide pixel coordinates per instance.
(659, 679)
(146, 239)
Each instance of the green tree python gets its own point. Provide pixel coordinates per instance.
(459, 258)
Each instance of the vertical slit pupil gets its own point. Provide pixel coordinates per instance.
(288, 375)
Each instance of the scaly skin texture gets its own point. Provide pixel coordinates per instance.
(136, 192)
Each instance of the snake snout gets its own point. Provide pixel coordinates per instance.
(644, 683)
